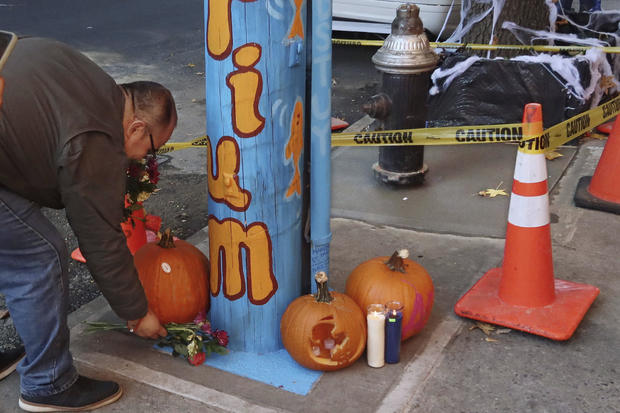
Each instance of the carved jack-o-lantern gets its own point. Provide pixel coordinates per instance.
(326, 331)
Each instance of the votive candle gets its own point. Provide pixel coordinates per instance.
(375, 347)
(393, 331)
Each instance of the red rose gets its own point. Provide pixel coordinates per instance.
(198, 359)
(206, 327)
(154, 176)
(222, 337)
(133, 170)
(200, 318)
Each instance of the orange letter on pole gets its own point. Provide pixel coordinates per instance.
(224, 184)
(246, 86)
(219, 28)
(229, 239)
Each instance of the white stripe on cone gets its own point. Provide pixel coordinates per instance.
(530, 168)
(528, 211)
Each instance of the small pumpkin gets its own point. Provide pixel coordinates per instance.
(175, 277)
(325, 331)
(394, 278)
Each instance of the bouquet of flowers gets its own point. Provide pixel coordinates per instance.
(195, 340)
(142, 178)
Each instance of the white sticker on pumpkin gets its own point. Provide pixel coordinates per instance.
(166, 267)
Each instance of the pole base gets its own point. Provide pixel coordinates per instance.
(399, 178)
(557, 321)
(584, 199)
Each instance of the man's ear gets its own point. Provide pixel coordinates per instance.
(136, 127)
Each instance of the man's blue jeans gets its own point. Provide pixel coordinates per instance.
(34, 281)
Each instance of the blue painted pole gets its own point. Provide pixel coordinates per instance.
(255, 92)
(320, 126)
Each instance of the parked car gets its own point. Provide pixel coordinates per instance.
(375, 16)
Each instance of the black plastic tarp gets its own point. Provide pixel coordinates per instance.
(495, 91)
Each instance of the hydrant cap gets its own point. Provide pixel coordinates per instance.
(406, 50)
(407, 20)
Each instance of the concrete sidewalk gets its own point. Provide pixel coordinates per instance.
(448, 367)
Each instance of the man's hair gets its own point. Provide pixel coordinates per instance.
(152, 102)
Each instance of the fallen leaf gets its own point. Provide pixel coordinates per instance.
(490, 340)
(599, 136)
(486, 328)
(492, 193)
(606, 83)
(200, 73)
(4, 314)
(191, 65)
(503, 331)
(552, 155)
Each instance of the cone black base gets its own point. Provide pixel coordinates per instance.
(584, 199)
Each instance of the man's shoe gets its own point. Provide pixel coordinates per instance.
(9, 360)
(85, 394)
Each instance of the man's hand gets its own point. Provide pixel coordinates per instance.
(147, 326)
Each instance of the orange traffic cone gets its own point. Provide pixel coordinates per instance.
(602, 191)
(338, 124)
(523, 293)
(606, 127)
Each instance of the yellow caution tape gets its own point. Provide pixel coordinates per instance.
(477, 46)
(175, 146)
(571, 128)
(452, 135)
(548, 140)
(512, 132)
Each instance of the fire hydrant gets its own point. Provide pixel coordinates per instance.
(406, 62)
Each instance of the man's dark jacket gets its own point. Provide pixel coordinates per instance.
(62, 146)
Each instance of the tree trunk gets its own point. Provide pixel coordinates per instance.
(534, 16)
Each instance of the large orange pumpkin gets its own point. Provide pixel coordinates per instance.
(326, 331)
(175, 277)
(394, 278)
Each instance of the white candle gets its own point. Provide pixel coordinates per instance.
(375, 348)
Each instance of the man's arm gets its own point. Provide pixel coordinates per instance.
(91, 178)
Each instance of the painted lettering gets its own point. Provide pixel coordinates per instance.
(224, 184)
(229, 241)
(246, 87)
(219, 28)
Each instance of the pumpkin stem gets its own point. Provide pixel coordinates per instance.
(322, 292)
(397, 260)
(167, 240)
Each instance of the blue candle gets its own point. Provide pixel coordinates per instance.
(393, 331)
